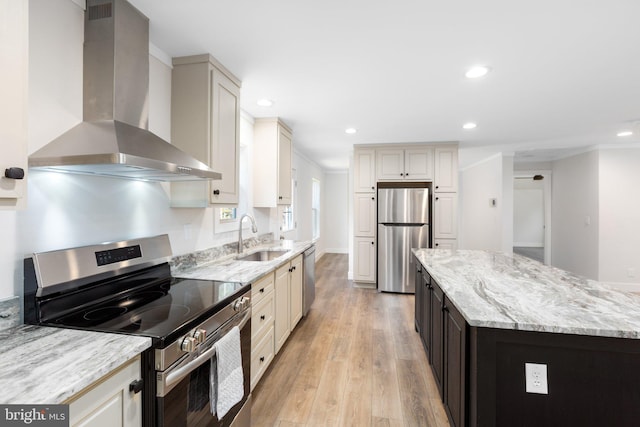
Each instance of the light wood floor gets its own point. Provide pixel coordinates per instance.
(355, 360)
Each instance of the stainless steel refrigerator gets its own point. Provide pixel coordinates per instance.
(403, 224)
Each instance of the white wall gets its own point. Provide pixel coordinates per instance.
(306, 171)
(619, 212)
(575, 214)
(68, 210)
(483, 226)
(336, 212)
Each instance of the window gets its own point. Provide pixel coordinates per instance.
(315, 208)
(227, 214)
(287, 219)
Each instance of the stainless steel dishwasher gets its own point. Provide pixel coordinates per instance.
(309, 293)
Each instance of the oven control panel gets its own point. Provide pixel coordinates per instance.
(111, 256)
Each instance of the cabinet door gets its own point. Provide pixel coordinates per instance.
(110, 403)
(282, 306)
(364, 264)
(225, 139)
(295, 292)
(418, 298)
(455, 351)
(450, 244)
(13, 106)
(365, 173)
(446, 169)
(436, 356)
(365, 215)
(418, 164)
(445, 210)
(285, 147)
(425, 332)
(389, 165)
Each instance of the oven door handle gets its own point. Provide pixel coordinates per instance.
(170, 378)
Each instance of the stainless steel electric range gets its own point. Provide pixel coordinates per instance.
(127, 287)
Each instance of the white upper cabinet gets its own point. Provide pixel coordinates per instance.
(272, 163)
(14, 35)
(365, 172)
(205, 122)
(404, 164)
(446, 165)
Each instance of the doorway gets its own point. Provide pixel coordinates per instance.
(532, 215)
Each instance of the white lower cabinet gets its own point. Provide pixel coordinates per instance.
(364, 265)
(262, 326)
(109, 403)
(275, 311)
(288, 299)
(445, 216)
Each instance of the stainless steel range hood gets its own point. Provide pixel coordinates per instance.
(113, 139)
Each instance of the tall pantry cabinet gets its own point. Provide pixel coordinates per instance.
(435, 163)
(205, 122)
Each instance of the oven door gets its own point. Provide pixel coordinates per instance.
(187, 402)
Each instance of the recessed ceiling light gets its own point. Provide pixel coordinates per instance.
(469, 125)
(265, 102)
(625, 133)
(476, 71)
(351, 131)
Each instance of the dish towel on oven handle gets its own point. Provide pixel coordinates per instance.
(226, 385)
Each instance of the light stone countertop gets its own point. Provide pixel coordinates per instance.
(44, 365)
(498, 290)
(232, 270)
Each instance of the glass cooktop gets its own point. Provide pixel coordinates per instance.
(157, 312)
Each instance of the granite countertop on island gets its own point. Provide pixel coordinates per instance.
(509, 291)
(231, 269)
(45, 365)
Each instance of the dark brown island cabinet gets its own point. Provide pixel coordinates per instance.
(593, 380)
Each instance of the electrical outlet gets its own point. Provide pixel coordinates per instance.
(187, 231)
(536, 378)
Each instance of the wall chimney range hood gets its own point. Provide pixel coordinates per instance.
(113, 139)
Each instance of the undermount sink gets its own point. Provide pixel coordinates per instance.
(261, 256)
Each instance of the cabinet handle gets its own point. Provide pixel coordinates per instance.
(437, 198)
(14, 173)
(290, 270)
(437, 186)
(445, 308)
(262, 290)
(261, 359)
(373, 188)
(216, 192)
(401, 174)
(373, 198)
(406, 174)
(437, 244)
(373, 243)
(136, 386)
(262, 317)
(279, 197)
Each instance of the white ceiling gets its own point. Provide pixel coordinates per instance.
(565, 73)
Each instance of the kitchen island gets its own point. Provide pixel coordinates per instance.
(483, 315)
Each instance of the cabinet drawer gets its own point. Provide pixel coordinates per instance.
(262, 315)
(261, 287)
(261, 357)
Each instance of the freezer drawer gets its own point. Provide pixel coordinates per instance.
(396, 269)
(403, 205)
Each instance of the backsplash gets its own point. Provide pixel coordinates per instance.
(9, 312)
(194, 259)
